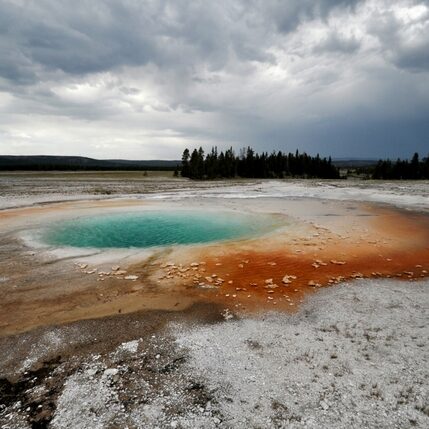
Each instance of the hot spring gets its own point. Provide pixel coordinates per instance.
(156, 228)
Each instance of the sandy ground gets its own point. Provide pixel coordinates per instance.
(193, 340)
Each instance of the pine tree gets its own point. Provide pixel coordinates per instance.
(185, 163)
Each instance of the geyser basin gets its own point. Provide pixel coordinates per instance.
(156, 228)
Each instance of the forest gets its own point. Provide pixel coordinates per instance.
(402, 169)
(249, 164)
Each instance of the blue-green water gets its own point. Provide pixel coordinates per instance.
(155, 228)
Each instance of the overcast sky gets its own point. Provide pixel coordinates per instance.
(143, 79)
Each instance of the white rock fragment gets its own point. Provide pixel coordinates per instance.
(110, 372)
(130, 346)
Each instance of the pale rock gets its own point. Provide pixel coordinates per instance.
(110, 372)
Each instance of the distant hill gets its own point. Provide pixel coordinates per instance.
(354, 163)
(79, 163)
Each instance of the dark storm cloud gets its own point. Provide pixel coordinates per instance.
(92, 36)
(87, 37)
(164, 72)
(415, 58)
(288, 15)
(77, 38)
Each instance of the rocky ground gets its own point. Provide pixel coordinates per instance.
(23, 189)
(359, 360)
(354, 356)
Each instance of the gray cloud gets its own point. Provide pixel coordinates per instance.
(334, 42)
(288, 15)
(136, 76)
(87, 37)
(405, 37)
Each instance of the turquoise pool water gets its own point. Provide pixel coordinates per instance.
(155, 228)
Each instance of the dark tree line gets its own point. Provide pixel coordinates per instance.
(249, 164)
(402, 169)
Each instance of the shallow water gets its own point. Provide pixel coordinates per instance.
(156, 228)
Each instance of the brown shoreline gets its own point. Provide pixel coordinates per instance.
(256, 276)
(382, 242)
